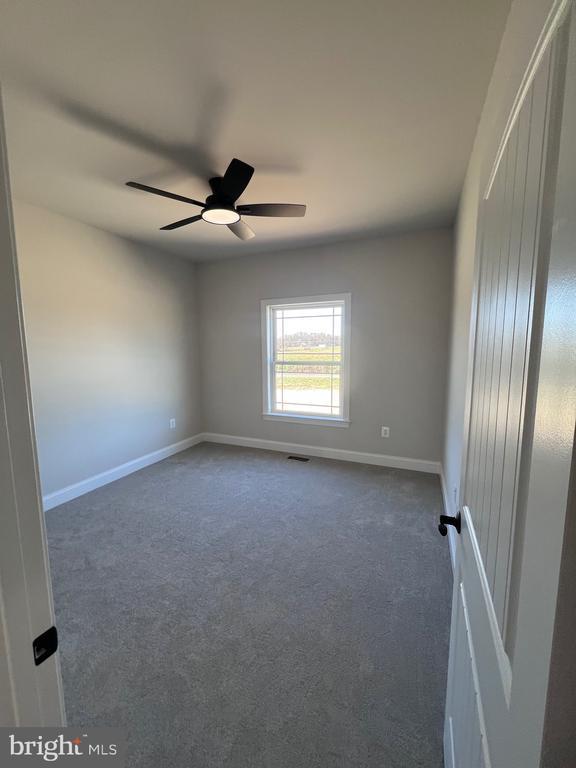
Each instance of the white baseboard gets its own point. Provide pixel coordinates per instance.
(70, 492)
(96, 481)
(380, 459)
(449, 510)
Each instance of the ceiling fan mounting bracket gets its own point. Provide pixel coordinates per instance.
(215, 184)
(215, 200)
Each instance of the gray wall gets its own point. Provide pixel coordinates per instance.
(401, 297)
(112, 346)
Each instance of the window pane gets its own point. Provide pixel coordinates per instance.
(322, 311)
(278, 336)
(308, 388)
(337, 347)
(308, 330)
(305, 337)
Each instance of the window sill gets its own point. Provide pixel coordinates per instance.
(318, 421)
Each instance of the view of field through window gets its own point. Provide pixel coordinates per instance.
(307, 359)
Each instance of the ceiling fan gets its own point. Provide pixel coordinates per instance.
(220, 207)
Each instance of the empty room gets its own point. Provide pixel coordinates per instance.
(288, 383)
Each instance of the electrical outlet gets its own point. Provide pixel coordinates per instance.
(172, 423)
(385, 432)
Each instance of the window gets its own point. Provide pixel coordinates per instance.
(305, 359)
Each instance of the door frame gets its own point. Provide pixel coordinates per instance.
(29, 695)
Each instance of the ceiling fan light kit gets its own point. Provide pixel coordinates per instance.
(220, 207)
(217, 214)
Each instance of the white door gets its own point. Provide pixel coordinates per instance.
(520, 433)
(30, 694)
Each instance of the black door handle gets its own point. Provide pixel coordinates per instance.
(447, 520)
(45, 645)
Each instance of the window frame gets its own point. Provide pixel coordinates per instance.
(302, 302)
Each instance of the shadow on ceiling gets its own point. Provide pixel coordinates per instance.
(196, 158)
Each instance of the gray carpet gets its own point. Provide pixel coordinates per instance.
(234, 609)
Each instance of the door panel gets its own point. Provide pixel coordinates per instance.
(505, 300)
(481, 711)
(524, 244)
(467, 745)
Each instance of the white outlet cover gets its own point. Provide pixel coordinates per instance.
(385, 431)
(172, 423)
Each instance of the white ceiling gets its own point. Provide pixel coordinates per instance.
(365, 110)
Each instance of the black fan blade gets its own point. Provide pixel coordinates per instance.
(182, 222)
(236, 179)
(162, 193)
(241, 230)
(271, 209)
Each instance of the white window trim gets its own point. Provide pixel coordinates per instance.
(297, 303)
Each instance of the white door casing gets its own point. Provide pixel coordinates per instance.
(517, 467)
(30, 694)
